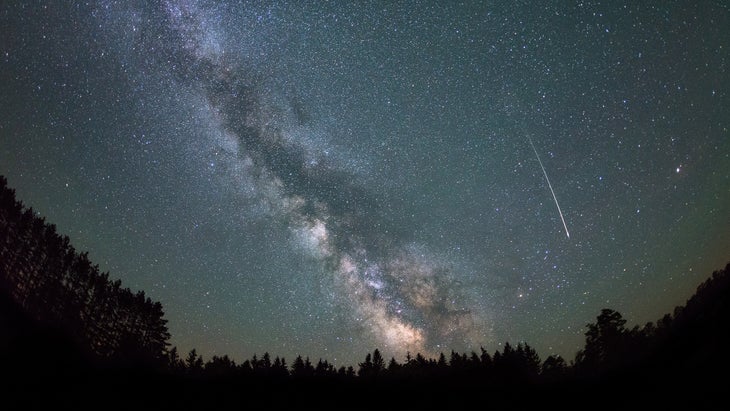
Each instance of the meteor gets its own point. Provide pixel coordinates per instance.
(549, 185)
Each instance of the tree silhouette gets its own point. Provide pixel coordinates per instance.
(194, 362)
(366, 367)
(217, 366)
(393, 367)
(174, 362)
(378, 363)
(554, 367)
(604, 341)
(324, 369)
(297, 367)
(373, 366)
(55, 284)
(279, 369)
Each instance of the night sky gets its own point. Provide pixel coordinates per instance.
(326, 179)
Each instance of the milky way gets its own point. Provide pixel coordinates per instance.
(403, 296)
(324, 179)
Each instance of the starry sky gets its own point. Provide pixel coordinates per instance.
(324, 179)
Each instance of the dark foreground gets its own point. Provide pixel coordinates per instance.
(43, 369)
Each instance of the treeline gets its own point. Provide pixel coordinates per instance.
(56, 285)
(688, 341)
(513, 363)
(685, 341)
(52, 283)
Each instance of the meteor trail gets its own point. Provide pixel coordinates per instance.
(549, 185)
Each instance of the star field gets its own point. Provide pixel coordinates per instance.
(325, 179)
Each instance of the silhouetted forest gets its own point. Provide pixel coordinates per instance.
(72, 337)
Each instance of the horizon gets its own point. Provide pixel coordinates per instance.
(412, 355)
